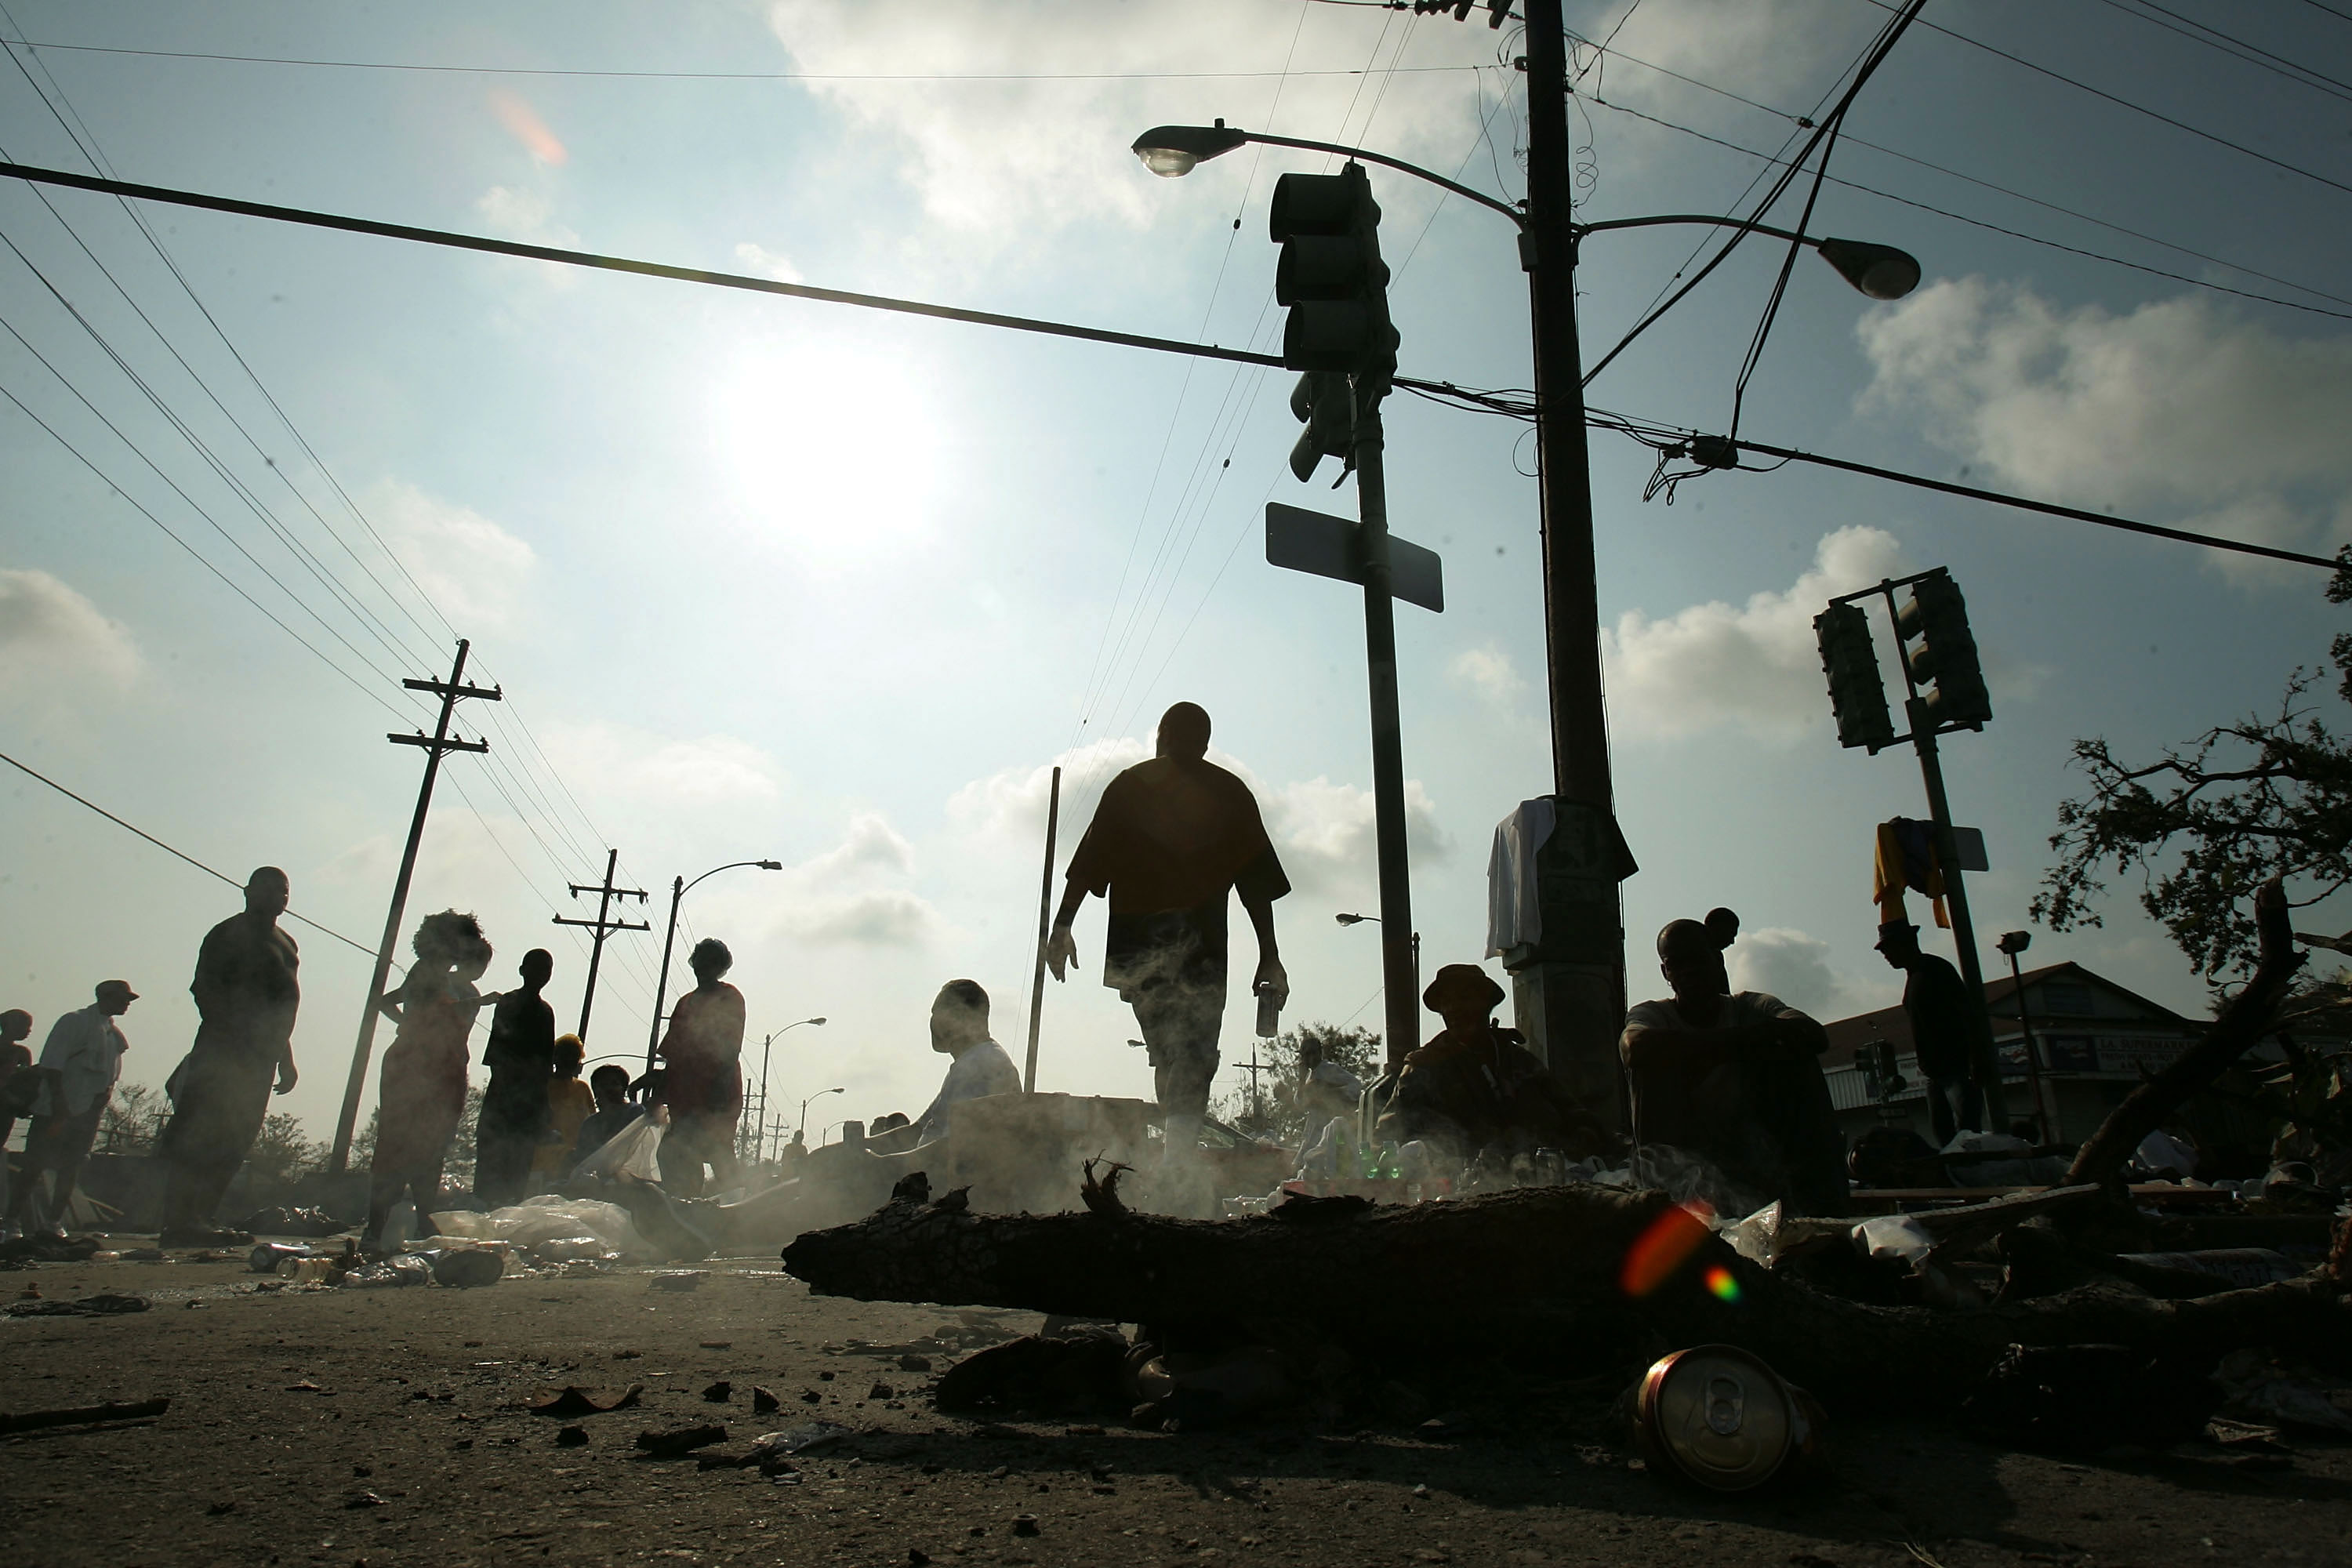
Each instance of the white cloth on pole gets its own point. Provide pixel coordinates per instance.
(1514, 917)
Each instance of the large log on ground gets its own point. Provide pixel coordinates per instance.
(1538, 1270)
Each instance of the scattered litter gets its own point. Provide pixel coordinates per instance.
(101, 1306)
(2257, 1387)
(577, 1402)
(143, 1255)
(800, 1439)
(763, 1401)
(85, 1414)
(467, 1267)
(678, 1279)
(914, 1364)
(1025, 1524)
(364, 1499)
(218, 1509)
(882, 1391)
(720, 1393)
(718, 1345)
(572, 1437)
(679, 1442)
(1896, 1237)
(310, 1220)
(408, 1268)
(1721, 1418)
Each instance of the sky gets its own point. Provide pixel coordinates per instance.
(766, 578)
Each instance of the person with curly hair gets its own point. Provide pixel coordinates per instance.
(421, 1096)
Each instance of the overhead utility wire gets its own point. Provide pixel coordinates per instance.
(2126, 103)
(1821, 140)
(207, 871)
(705, 76)
(1990, 227)
(2236, 48)
(1849, 137)
(1018, 324)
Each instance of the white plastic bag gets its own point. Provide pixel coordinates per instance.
(634, 1151)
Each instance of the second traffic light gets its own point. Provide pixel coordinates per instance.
(1331, 276)
(1857, 695)
(1937, 620)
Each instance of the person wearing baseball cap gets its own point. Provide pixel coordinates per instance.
(1476, 1086)
(80, 1061)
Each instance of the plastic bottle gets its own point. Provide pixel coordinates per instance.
(1384, 1164)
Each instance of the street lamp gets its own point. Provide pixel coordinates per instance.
(2012, 943)
(1572, 990)
(1360, 920)
(678, 887)
(764, 1046)
(801, 1129)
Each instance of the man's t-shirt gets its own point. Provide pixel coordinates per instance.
(1672, 1104)
(1173, 837)
(521, 1058)
(981, 1071)
(248, 988)
(1936, 1000)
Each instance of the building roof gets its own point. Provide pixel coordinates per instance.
(1848, 1035)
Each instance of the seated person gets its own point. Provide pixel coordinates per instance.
(1476, 1085)
(1735, 1079)
(1324, 1090)
(615, 1110)
(977, 1067)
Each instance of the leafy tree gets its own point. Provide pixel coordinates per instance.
(281, 1155)
(1357, 1049)
(132, 1120)
(2208, 821)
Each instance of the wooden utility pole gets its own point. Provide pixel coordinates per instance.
(1044, 920)
(451, 693)
(602, 928)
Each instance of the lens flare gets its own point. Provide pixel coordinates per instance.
(1672, 1237)
(1721, 1285)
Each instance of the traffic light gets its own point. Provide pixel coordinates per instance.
(1331, 277)
(1936, 619)
(1857, 695)
(1326, 404)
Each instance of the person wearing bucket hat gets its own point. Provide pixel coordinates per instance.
(1476, 1086)
(80, 1061)
(1734, 1077)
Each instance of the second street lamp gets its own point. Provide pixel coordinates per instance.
(1570, 988)
(766, 1045)
(678, 887)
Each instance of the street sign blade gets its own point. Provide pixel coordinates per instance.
(1325, 546)
(1416, 575)
(1312, 542)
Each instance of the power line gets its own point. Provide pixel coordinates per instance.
(1804, 121)
(2021, 234)
(81, 800)
(713, 76)
(2214, 38)
(2126, 103)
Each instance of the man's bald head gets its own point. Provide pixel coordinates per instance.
(1184, 731)
(266, 892)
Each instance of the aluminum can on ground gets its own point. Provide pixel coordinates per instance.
(1718, 1416)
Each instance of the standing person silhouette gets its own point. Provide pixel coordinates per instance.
(246, 994)
(80, 1062)
(1173, 838)
(421, 1096)
(703, 1080)
(515, 1113)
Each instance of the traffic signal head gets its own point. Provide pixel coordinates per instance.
(1326, 404)
(1857, 695)
(1942, 663)
(1330, 276)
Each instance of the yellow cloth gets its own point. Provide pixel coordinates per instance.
(1889, 877)
(569, 1103)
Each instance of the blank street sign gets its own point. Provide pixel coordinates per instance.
(1327, 546)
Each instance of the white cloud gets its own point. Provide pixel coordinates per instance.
(870, 845)
(640, 766)
(2177, 408)
(832, 897)
(1791, 966)
(761, 262)
(1756, 666)
(527, 216)
(1016, 155)
(51, 634)
(476, 571)
(1488, 672)
(886, 918)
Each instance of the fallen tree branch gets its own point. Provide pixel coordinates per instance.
(31, 1420)
(2244, 1021)
(1538, 1269)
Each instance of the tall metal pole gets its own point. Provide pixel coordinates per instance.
(1964, 936)
(1045, 929)
(2032, 1053)
(1572, 996)
(661, 986)
(1402, 1012)
(451, 691)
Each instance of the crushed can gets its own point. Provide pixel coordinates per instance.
(1717, 1417)
(270, 1256)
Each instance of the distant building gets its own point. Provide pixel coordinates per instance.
(2097, 1042)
